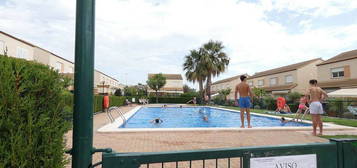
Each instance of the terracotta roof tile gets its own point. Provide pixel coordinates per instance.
(280, 87)
(341, 57)
(228, 79)
(283, 69)
(169, 76)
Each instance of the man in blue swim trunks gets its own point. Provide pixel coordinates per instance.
(244, 100)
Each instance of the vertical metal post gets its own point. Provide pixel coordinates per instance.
(83, 85)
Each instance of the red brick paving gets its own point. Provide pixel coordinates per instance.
(173, 141)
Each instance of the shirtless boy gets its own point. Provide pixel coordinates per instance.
(245, 95)
(314, 96)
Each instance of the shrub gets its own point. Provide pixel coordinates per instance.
(294, 107)
(230, 103)
(190, 94)
(68, 105)
(219, 100)
(116, 101)
(180, 100)
(130, 98)
(113, 101)
(260, 92)
(270, 103)
(348, 115)
(293, 97)
(258, 103)
(118, 92)
(32, 118)
(337, 106)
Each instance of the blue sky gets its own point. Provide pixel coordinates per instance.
(137, 37)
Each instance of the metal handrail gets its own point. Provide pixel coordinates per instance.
(121, 114)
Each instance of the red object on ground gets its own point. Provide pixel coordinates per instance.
(106, 102)
(280, 102)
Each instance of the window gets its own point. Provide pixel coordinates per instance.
(250, 83)
(260, 82)
(337, 72)
(2, 47)
(22, 53)
(289, 79)
(273, 81)
(58, 67)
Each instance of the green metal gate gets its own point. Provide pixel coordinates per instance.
(335, 154)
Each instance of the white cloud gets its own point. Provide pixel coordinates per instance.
(139, 37)
(316, 8)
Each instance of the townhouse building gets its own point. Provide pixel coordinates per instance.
(338, 72)
(173, 86)
(228, 83)
(283, 80)
(15, 47)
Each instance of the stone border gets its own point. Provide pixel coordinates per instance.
(114, 127)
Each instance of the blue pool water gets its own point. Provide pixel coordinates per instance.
(192, 117)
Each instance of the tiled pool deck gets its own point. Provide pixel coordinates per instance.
(144, 141)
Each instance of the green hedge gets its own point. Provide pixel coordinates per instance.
(113, 101)
(181, 100)
(97, 102)
(32, 119)
(136, 98)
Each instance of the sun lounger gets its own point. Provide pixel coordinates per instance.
(352, 109)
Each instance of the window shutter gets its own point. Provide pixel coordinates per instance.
(347, 71)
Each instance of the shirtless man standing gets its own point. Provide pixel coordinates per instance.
(244, 99)
(314, 96)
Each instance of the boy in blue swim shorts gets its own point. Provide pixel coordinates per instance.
(244, 100)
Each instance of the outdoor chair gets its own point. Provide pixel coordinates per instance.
(352, 109)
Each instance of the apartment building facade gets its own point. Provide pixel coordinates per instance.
(283, 80)
(339, 72)
(15, 47)
(105, 84)
(228, 83)
(173, 86)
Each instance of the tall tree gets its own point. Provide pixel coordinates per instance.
(215, 61)
(260, 92)
(156, 82)
(188, 89)
(118, 92)
(195, 69)
(225, 93)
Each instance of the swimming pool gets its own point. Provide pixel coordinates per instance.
(193, 117)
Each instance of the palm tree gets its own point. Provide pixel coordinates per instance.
(215, 61)
(195, 70)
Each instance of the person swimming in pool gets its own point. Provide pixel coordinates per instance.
(205, 118)
(244, 101)
(200, 110)
(283, 120)
(156, 121)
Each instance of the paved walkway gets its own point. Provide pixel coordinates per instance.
(168, 141)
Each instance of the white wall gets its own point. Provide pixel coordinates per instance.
(16, 48)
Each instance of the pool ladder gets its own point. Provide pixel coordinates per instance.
(121, 114)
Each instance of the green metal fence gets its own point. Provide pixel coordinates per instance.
(335, 154)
